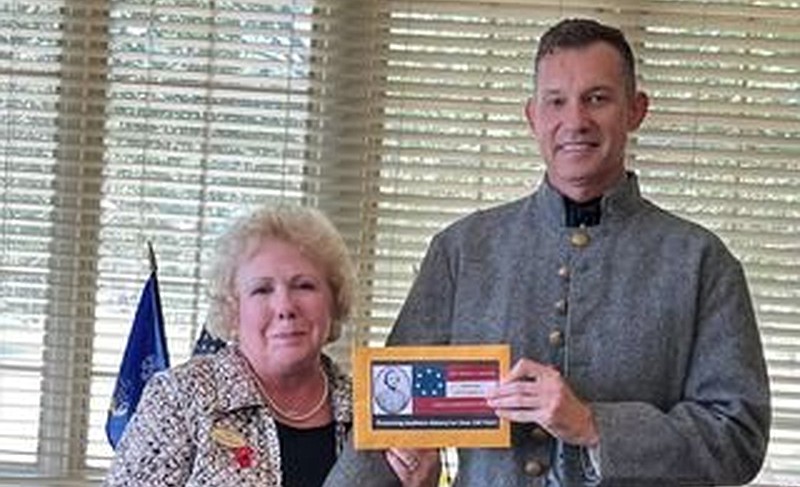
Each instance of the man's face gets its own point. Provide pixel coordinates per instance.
(581, 115)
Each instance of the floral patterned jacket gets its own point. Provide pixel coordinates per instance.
(173, 439)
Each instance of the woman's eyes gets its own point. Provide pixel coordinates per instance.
(298, 285)
(262, 290)
(306, 285)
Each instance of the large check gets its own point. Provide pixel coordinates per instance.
(428, 396)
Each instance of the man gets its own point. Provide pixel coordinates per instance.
(637, 355)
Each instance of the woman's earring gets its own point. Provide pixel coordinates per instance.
(233, 337)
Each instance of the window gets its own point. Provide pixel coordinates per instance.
(127, 121)
(206, 113)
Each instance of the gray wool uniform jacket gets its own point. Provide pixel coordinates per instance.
(647, 316)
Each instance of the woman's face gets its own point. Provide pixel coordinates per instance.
(285, 309)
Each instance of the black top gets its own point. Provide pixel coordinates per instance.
(307, 455)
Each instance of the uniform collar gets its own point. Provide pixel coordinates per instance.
(620, 201)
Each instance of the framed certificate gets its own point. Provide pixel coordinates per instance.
(428, 396)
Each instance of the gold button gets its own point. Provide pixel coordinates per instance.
(563, 272)
(579, 239)
(561, 306)
(539, 434)
(534, 468)
(556, 338)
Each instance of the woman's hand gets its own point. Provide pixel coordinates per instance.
(415, 468)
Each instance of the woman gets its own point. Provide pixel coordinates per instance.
(270, 409)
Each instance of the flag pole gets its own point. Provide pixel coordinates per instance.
(152, 255)
(145, 354)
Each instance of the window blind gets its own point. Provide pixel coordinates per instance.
(127, 121)
(32, 257)
(207, 115)
(721, 148)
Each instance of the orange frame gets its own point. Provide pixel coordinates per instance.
(366, 437)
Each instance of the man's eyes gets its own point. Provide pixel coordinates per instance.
(597, 98)
(592, 99)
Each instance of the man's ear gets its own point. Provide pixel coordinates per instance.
(530, 112)
(639, 108)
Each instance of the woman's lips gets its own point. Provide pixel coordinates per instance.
(288, 335)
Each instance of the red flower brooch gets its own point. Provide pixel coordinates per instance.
(243, 454)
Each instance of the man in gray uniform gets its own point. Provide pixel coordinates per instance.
(637, 356)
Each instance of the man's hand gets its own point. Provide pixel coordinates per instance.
(415, 468)
(536, 393)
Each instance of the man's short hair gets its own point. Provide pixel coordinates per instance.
(578, 33)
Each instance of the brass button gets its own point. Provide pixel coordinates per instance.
(561, 306)
(539, 434)
(563, 272)
(556, 338)
(534, 468)
(579, 239)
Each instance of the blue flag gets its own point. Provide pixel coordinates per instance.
(207, 344)
(145, 354)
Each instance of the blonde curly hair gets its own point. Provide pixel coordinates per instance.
(304, 227)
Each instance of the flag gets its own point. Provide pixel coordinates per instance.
(427, 394)
(207, 344)
(453, 389)
(145, 354)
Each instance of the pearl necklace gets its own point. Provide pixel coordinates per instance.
(297, 417)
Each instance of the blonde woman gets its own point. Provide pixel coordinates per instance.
(271, 409)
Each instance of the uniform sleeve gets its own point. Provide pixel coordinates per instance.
(156, 448)
(361, 469)
(717, 434)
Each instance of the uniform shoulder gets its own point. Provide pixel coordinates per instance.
(487, 221)
(675, 226)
